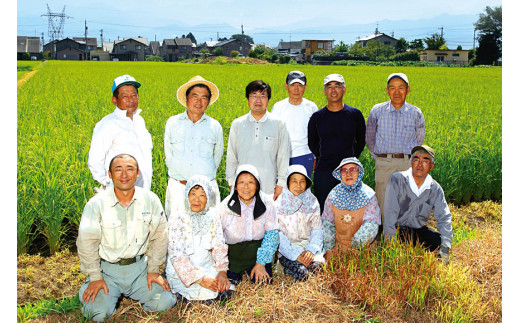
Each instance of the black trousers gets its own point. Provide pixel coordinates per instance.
(324, 182)
(430, 239)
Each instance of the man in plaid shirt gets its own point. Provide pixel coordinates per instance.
(393, 128)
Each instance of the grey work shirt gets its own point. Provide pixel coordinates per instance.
(404, 208)
(112, 232)
(264, 144)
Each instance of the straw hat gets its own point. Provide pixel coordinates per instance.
(181, 92)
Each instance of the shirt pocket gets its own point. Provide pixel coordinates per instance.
(177, 144)
(113, 233)
(269, 143)
(142, 229)
(206, 146)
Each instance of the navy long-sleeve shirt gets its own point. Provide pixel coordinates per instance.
(333, 136)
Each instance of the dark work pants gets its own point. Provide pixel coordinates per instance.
(324, 182)
(430, 239)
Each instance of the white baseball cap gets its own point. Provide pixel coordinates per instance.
(402, 76)
(334, 78)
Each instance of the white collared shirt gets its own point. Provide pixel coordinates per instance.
(110, 231)
(413, 186)
(116, 134)
(192, 148)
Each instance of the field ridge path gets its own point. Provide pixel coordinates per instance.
(27, 76)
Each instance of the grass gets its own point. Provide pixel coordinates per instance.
(59, 106)
(392, 283)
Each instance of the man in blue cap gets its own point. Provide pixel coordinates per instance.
(122, 131)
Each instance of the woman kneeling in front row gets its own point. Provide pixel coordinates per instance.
(351, 215)
(250, 228)
(197, 259)
(301, 233)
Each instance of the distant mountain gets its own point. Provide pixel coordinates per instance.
(457, 30)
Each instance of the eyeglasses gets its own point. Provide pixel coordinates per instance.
(352, 169)
(336, 87)
(424, 162)
(256, 96)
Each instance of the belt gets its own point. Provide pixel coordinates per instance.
(393, 155)
(124, 262)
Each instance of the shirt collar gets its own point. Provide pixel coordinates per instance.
(413, 186)
(244, 206)
(122, 113)
(263, 119)
(114, 201)
(393, 109)
(184, 116)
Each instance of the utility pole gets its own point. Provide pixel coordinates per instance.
(242, 29)
(86, 44)
(442, 31)
(101, 31)
(43, 41)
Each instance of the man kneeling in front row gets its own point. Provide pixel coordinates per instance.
(410, 197)
(118, 226)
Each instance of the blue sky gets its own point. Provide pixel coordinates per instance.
(268, 21)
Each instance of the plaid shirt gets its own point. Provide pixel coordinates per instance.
(391, 131)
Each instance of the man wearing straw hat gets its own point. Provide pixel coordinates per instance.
(122, 131)
(193, 143)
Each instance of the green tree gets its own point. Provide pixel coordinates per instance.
(489, 25)
(375, 51)
(218, 51)
(487, 51)
(190, 36)
(234, 53)
(26, 56)
(459, 47)
(416, 44)
(259, 50)
(204, 51)
(435, 41)
(401, 45)
(252, 54)
(245, 38)
(341, 48)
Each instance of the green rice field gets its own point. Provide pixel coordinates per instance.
(59, 106)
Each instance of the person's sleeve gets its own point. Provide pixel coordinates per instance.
(420, 128)
(442, 214)
(231, 154)
(283, 155)
(316, 241)
(158, 245)
(99, 145)
(313, 140)
(360, 135)
(372, 211)
(168, 152)
(366, 233)
(220, 248)
(391, 206)
(218, 151)
(286, 248)
(329, 230)
(185, 269)
(371, 129)
(265, 253)
(88, 241)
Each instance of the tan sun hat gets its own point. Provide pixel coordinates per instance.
(181, 92)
